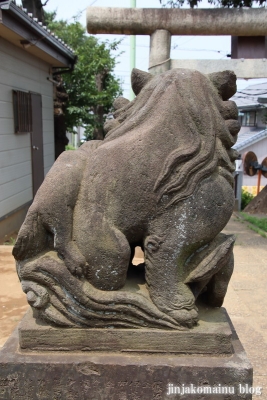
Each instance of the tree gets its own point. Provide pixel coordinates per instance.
(219, 3)
(35, 7)
(91, 87)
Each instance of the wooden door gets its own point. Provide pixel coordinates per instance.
(37, 142)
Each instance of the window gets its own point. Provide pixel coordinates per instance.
(249, 118)
(22, 111)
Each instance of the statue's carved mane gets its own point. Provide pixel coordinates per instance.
(196, 157)
(185, 167)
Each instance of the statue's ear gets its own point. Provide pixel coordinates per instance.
(225, 83)
(139, 79)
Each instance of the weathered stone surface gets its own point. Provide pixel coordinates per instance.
(120, 102)
(139, 79)
(212, 336)
(161, 179)
(225, 82)
(159, 52)
(111, 376)
(145, 21)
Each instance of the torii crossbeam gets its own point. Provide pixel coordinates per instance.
(162, 23)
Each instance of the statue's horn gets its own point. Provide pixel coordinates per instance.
(225, 83)
(139, 79)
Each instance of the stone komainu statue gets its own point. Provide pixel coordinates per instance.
(161, 179)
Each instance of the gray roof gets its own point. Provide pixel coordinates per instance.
(42, 41)
(247, 138)
(248, 97)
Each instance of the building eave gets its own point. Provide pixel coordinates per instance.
(17, 26)
(250, 107)
(257, 137)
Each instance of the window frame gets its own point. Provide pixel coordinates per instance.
(22, 109)
(248, 116)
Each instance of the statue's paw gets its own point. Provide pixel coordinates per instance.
(20, 247)
(75, 261)
(76, 267)
(187, 318)
(32, 237)
(25, 246)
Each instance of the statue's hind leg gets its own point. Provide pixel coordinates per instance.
(107, 253)
(164, 280)
(49, 222)
(218, 284)
(179, 269)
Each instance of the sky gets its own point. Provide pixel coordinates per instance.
(182, 47)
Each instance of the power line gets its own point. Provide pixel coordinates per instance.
(214, 51)
(175, 47)
(80, 12)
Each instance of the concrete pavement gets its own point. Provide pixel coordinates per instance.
(246, 299)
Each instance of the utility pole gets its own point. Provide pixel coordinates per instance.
(132, 51)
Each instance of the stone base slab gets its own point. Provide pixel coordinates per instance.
(116, 376)
(212, 336)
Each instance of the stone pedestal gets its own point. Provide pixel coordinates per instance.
(212, 336)
(117, 373)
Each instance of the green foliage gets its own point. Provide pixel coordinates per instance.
(94, 63)
(49, 17)
(69, 147)
(218, 3)
(10, 242)
(260, 223)
(245, 198)
(257, 230)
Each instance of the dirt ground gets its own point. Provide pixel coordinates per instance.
(13, 304)
(246, 299)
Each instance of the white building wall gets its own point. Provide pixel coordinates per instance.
(22, 71)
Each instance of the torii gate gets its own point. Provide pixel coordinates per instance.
(162, 23)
